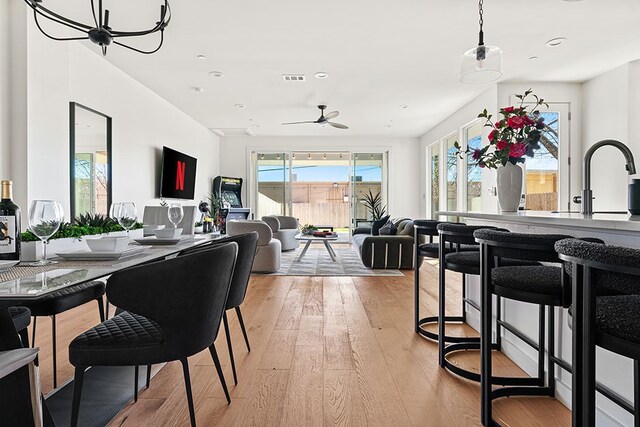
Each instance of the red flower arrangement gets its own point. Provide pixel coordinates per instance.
(512, 138)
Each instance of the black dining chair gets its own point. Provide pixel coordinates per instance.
(247, 247)
(605, 313)
(173, 310)
(21, 317)
(58, 302)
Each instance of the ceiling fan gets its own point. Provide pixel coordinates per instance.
(323, 120)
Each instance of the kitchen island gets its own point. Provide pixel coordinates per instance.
(615, 372)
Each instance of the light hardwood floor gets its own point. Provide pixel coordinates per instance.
(325, 351)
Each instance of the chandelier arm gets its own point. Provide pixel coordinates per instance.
(159, 26)
(93, 12)
(35, 18)
(43, 11)
(56, 38)
(149, 52)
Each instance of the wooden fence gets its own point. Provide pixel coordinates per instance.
(542, 201)
(335, 214)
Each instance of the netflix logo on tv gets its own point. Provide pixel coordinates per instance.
(178, 180)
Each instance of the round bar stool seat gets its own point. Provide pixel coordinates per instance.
(469, 262)
(541, 284)
(432, 250)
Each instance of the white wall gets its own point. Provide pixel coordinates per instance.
(403, 165)
(58, 73)
(607, 103)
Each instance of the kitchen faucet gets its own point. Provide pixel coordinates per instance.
(587, 193)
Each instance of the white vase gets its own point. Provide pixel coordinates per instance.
(509, 187)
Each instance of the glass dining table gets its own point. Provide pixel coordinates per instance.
(27, 283)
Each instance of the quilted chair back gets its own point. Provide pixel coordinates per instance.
(187, 300)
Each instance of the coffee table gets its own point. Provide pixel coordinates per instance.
(316, 239)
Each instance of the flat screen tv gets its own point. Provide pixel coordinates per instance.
(178, 175)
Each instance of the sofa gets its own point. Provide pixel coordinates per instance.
(387, 251)
(268, 257)
(285, 229)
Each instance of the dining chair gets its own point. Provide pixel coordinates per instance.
(172, 310)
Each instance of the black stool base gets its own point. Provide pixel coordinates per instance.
(434, 336)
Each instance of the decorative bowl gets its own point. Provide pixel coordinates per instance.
(168, 233)
(108, 244)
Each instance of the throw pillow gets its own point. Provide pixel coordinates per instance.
(375, 227)
(389, 229)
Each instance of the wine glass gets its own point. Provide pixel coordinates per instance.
(45, 217)
(176, 213)
(125, 213)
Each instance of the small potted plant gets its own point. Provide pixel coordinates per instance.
(198, 227)
(514, 137)
(308, 229)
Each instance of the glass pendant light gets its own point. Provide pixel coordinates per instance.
(482, 64)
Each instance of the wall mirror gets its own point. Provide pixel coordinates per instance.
(90, 160)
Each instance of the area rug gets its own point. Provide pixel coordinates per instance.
(317, 262)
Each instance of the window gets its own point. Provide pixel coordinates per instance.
(434, 172)
(473, 139)
(451, 171)
(542, 177)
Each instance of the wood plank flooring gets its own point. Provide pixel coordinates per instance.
(324, 351)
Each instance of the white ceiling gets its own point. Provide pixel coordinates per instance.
(379, 55)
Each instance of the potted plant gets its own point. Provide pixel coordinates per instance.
(308, 229)
(513, 137)
(70, 235)
(198, 227)
(374, 205)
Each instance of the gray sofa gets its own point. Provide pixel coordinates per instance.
(387, 252)
(285, 229)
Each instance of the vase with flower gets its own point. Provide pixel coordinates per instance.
(514, 136)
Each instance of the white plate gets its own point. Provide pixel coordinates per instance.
(5, 265)
(152, 240)
(85, 255)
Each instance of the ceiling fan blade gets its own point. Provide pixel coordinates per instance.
(332, 115)
(338, 125)
(299, 123)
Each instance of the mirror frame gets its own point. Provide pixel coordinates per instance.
(72, 156)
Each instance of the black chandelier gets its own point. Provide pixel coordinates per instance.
(99, 31)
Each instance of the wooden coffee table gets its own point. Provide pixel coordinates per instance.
(317, 239)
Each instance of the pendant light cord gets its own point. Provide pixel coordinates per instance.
(481, 22)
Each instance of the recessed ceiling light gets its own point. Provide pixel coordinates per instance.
(256, 126)
(197, 89)
(555, 42)
(239, 105)
(533, 58)
(404, 106)
(321, 75)
(387, 126)
(216, 74)
(201, 57)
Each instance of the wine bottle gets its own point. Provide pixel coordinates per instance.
(9, 225)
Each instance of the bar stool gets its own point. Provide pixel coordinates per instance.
(464, 262)
(544, 285)
(431, 249)
(611, 322)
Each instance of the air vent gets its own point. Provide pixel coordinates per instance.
(293, 77)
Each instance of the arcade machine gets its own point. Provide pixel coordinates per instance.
(229, 192)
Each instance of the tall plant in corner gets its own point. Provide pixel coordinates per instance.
(374, 205)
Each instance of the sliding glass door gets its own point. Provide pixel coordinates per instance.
(319, 188)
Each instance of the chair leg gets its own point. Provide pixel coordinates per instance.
(216, 361)
(441, 310)
(24, 337)
(551, 352)
(55, 350)
(244, 331)
(101, 308)
(33, 332)
(225, 321)
(136, 372)
(541, 341)
(148, 375)
(187, 383)
(106, 311)
(77, 392)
